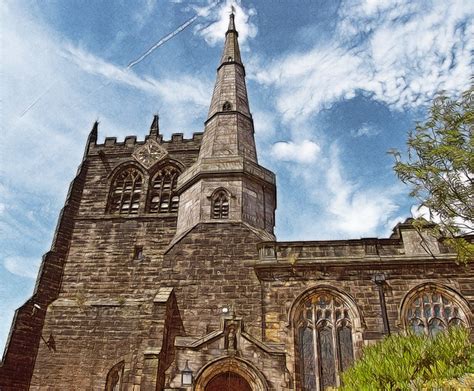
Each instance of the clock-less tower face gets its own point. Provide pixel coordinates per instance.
(149, 154)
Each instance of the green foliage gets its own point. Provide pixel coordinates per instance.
(440, 169)
(413, 362)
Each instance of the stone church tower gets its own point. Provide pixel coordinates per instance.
(164, 273)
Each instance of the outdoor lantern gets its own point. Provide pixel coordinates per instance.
(186, 375)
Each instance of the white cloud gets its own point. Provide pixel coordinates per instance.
(366, 130)
(356, 211)
(143, 11)
(265, 124)
(335, 206)
(304, 151)
(214, 32)
(191, 89)
(409, 51)
(22, 266)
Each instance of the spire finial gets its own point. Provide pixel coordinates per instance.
(155, 126)
(94, 132)
(231, 19)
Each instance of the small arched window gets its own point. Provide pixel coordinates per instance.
(226, 106)
(163, 197)
(432, 309)
(220, 205)
(114, 378)
(324, 330)
(126, 192)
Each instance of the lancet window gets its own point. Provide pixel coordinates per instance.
(324, 341)
(163, 197)
(220, 205)
(226, 106)
(126, 192)
(432, 310)
(114, 378)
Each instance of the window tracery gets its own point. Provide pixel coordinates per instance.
(220, 205)
(163, 197)
(432, 310)
(126, 192)
(324, 339)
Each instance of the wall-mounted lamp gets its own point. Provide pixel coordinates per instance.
(186, 375)
(35, 308)
(379, 278)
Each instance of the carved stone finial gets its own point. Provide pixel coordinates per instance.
(94, 132)
(155, 126)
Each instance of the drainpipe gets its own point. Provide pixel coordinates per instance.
(379, 280)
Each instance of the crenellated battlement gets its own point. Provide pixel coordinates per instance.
(176, 139)
(111, 145)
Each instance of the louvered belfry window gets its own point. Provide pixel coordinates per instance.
(220, 205)
(163, 197)
(432, 311)
(324, 341)
(126, 192)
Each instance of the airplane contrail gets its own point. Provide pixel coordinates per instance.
(170, 35)
(134, 62)
(162, 41)
(38, 98)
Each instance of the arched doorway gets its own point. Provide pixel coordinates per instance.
(229, 374)
(228, 381)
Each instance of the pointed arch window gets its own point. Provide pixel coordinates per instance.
(324, 341)
(126, 192)
(163, 197)
(220, 205)
(115, 377)
(432, 310)
(226, 106)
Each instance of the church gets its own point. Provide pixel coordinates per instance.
(165, 273)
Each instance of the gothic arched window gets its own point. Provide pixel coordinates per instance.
(324, 340)
(162, 196)
(220, 205)
(114, 378)
(126, 192)
(226, 106)
(433, 309)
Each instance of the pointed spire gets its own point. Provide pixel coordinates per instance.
(91, 139)
(230, 92)
(231, 51)
(155, 126)
(94, 132)
(231, 20)
(228, 158)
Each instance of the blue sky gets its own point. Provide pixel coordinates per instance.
(332, 86)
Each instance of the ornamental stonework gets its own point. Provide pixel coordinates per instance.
(149, 154)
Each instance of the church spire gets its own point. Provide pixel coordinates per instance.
(229, 125)
(231, 51)
(226, 183)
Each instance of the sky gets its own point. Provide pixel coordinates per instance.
(333, 85)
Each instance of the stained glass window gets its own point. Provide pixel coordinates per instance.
(325, 341)
(308, 358)
(431, 311)
(126, 192)
(162, 195)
